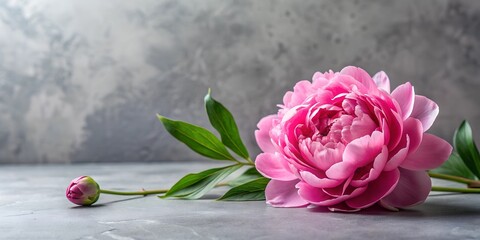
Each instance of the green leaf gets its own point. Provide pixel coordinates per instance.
(195, 185)
(223, 121)
(455, 166)
(253, 190)
(466, 148)
(247, 176)
(197, 138)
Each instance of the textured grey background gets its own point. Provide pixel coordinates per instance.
(82, 80)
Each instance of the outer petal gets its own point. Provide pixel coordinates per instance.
(315, 195)
(399, 157)
(321, 79)
(412, 188)
(341, 170)
(262, 134)
(425, 110)
(413, 128)
(432, 152)
(284, 194)
(319, 182)
(301, 90)
(274, 166)
(395, 129)
(88, 188)
(361, 76)
(382, 81)
(376, 190)
(405, 96)
(319, 197)
(412, 137)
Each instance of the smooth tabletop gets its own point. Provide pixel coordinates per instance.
(33, 206)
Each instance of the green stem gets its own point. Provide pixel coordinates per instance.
(143, 192)
(250, 161)
(453, 178)
(451, 189)
(222, 185)
(239, 162)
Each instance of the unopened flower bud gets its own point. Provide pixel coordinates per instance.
(83, 191)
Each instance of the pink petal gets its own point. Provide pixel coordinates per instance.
(300, 92)
(412, 188)
(341, 170)
(405, 96)
(360, 75)
(412, 137)
(313, 194)
(76, 191)
(262, 135)
(395, 129)
(320, 79)
(361, 126)
(362, 151)
(319, 182)
(318, 197)
(274, 166)
(376, 190)
(413, 128)
(88, 188)
(283, 194)
(425, 110)
(358, 153)
(287, 98)
(399, 157)
(432, 152)
(375, 171)
(382, 81)
(326, 157)
(302, 87)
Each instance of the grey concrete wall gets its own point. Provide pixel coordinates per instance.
(82, 80)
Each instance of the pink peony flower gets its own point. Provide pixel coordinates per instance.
(345, 142)
(83, 191)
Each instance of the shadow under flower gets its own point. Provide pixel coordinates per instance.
(435, 207)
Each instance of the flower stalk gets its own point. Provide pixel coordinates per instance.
(146, 192)
(455, 179)
(458, 190)
(473, 186)
(143, 192)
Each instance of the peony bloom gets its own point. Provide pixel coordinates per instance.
(344, 141)
(83, 191)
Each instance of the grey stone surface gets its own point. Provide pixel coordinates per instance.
(33, 206)
(81, 81)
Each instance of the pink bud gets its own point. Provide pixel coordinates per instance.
(83, 191)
